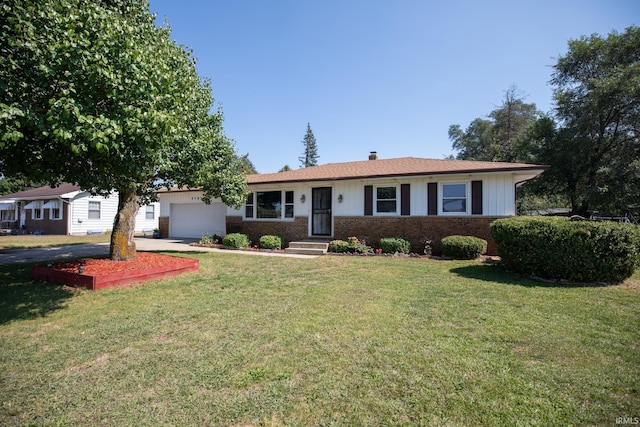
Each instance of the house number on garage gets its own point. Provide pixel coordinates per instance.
(195, 198)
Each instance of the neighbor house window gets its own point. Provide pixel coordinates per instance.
(55, 213)
(94, 210)
(150, 212)
(54, 209)
(36, 211)
(269, 204)
(454, 198)
(8, 215)
(386, 200)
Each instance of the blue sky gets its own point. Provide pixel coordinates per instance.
(375, 75)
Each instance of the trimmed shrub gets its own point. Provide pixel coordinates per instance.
(463, 247)
(338, 246)
(391, 245)
(236, 240)
(353, 245)
(557, 248)
(271, 242)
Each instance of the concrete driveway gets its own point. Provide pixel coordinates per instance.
(58, 253)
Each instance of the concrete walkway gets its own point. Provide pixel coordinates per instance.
(58, 253)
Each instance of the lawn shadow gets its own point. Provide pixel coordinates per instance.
(21, 298)
(496, 274)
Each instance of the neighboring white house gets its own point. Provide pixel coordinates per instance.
(67, 210)
(421, 199)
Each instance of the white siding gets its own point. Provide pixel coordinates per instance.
(498, 192)
(80, 223)
(142, 223)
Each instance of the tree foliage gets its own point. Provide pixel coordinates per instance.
(310, 154)
(494, 138)
(15, 184)
(597, 99)
(93, 93)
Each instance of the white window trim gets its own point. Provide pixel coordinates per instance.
(282, 218)
(99, 209)
(146, 212)
(51, 208)
(40, 209)
(375, 200)
(59, 218)
(441, 186)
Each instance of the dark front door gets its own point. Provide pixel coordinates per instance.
(321, 211)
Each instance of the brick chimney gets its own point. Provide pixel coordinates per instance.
(373, 155)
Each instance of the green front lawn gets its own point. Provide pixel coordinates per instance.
(327, 341)
(31, 241)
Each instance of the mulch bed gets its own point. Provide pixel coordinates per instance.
(98, 273)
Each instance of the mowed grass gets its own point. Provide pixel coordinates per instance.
(274, 341)
(34, 241)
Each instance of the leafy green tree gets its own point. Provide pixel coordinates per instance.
(494, 138)
(93, 93)
(598, 105)
(14, 184)
(285, 168)
(310, 155)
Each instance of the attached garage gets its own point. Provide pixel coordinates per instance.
(192, 220)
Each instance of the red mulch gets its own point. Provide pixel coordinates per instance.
(102, 272)
(105, 266)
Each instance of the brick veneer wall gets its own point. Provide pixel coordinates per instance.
(417, 229)
(290, 231)
(372, 229)
(48, 226)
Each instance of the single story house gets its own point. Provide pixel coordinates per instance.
(421, 199)
(67, 209)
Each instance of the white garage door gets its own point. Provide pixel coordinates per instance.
(195, 219)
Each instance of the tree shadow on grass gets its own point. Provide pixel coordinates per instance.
(21, 298)
(496, 274)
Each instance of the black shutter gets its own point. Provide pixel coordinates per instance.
(476, 197)
(405, 199)
(432, 198)
(368, 199)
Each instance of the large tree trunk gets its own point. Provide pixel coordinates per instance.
(123, 246)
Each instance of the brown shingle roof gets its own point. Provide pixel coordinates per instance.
(404, 166)
(44, 192)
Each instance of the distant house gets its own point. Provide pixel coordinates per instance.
(66, 210)
(421, 199)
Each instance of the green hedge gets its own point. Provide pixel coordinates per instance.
(391, 245)
(338, 246)
(463, 247)
(353, 245)
(271, 242)
(236, 240)
(580, 251)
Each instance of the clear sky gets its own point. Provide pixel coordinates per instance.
(375, 75)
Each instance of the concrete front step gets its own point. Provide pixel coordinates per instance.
(307, 248)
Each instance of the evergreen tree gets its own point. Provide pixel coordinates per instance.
(310, 155)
